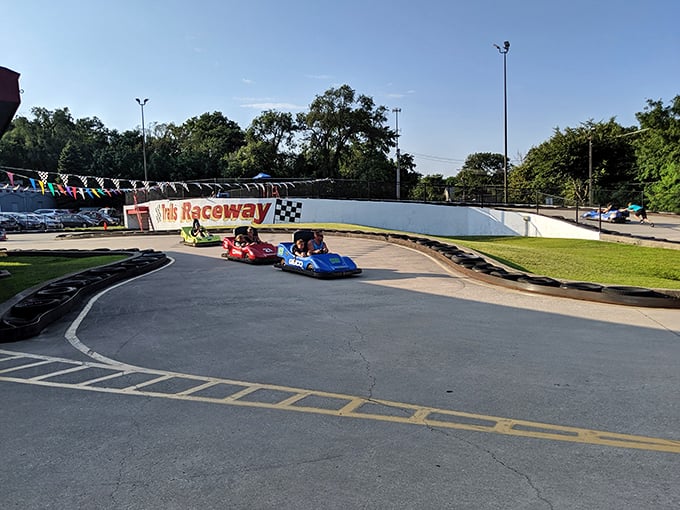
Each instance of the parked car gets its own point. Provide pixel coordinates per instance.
(3, 235)
(110, 211)
(50, 221)
(76, 220)
(52, 211)
(100, 217)
(26, 221)
(9, 223)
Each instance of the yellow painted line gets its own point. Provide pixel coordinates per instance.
(136, 387)
(20, 367)
(60, 372)
(200, 387)
(103, 378)
(346, 406)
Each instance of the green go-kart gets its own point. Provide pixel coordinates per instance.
(196, 235)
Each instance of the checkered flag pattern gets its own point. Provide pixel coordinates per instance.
(287, 211)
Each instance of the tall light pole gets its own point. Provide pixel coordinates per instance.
(590, 169)
(141, 105)
(504, 51)
(396, 114)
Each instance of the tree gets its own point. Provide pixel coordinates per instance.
(562, 165)
(658, 154)
(337, 123)
(487, 164)
(270, 142)
(71, 160)
(429, 188)
(205, 142)
(275, 128)
(251, 159)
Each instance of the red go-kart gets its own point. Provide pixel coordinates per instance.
(242, 248)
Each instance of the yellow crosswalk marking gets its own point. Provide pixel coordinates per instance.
(35, 369)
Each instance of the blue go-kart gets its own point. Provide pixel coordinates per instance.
(327, 265)
(610, 216)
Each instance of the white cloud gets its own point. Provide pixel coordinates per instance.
(247, 81)
(272, 106)
(319, 76)
(399, 95)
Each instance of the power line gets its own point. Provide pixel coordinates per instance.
(441, 159)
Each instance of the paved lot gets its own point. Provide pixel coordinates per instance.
(224, 385)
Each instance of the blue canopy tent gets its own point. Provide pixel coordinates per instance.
(262, 175)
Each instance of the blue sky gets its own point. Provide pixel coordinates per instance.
(568, 62)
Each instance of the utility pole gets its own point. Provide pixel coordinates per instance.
(396, 112)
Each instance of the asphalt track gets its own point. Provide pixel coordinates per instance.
(216, 384)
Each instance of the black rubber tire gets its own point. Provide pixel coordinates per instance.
(71, 282)
(468, 264)
(630, 291)
(33, 306)
(507, 276)
(546, 281)
(464, 257)
(106, 270)
(91, 278)
(482, 267)
(591, 287)
(56, 291)
(495, 269)
(15, 322)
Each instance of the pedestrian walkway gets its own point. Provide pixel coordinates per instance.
(666, 226)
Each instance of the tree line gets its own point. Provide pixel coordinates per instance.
(345, 135)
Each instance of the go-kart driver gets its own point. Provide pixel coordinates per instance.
(197, 229)
(316, 244)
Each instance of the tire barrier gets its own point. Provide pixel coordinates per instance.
(31, 314)
(478, 267)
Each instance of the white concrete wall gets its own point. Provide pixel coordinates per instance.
(444, 220)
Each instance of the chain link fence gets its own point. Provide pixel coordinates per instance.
(350, 189)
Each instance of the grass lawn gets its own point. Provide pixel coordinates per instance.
(27, 271)
(583, 260)
(567, 259)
